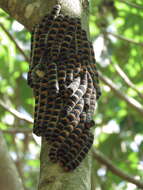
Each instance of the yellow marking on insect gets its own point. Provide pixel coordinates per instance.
(40, 73)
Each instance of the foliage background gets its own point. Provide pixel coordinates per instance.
(116, 32)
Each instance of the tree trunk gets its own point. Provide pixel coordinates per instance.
(28, 13)
(9, 179)
(52, 177)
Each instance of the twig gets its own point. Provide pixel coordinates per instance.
(9, 178)
(17, 130)
(130, 101)
(132, 4)
(16, 44)
(124, 38)
(18, 162)
(103, 160)
(126, 79)
(16, 113)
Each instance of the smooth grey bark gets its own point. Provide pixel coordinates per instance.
(29, 12)
(52, 176)
(9, 178)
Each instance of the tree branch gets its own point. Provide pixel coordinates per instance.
(16, 113)
(103, 160)
(126, 79)
(124, 38)
(9, 179)
(16, 44)
(130, 101)
(17, 130)
(18, 162)
(29, 12)
(132, 4)
(26, 12)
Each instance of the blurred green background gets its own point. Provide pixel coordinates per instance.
(116, 33)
